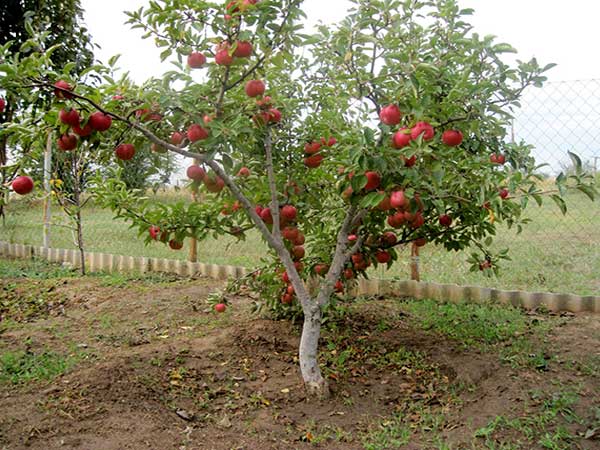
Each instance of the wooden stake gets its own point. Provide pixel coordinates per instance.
(414, 263)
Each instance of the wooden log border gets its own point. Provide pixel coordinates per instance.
(103, 262)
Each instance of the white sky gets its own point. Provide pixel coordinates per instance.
(566, 33)
(551, 30)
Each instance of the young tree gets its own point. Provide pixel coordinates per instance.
(338, 147)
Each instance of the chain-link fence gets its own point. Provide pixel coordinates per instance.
(555, 119)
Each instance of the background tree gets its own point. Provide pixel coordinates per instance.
(389, 130)
(60, 22)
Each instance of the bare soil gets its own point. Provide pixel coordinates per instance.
(158, 369)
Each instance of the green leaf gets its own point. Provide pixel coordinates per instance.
(358, 182)
(560, 202)
(576, 161)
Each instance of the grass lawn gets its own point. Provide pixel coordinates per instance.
(555, 253)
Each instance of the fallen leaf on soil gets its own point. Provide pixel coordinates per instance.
(224, 422)
(184, 414)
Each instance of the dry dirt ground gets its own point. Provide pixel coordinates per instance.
(149, 365)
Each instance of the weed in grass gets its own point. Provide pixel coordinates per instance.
(388, 434)
(35, 269)
(469, 324)
(517, 335)
(106, 321)
(25, 301)
(543, 423)
(19, 367)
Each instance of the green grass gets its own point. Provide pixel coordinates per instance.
(555, 253)
(470, 324)
(20, 367)
(516, 336)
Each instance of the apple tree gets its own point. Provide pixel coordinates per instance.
(338, 146)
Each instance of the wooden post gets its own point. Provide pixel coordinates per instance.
(414, 263)
(47, 190)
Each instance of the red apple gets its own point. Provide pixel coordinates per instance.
(220, 307)
(418, 220)
(373, 180)
(255, 88)
(125, 152)
(298, 251)
(289, 212)
(420, 242)
(348, 274)
(504, 193)
(100, 121)
(383, 257)
(287, 299)
(396, 220)
(321, 269)
(339, 286)
(2, 105)
(67, 142)
(445, 220)
(22, 185)
(487, 264)
(385, 204)
(452, 138)
(285, 277)
(83, 132)
(311, 148)
(196, 133)
(390, 115)
(154, 232)
(243, 172)
(214, 183)
(401, 138)
(300, 239)
(389, 238)
(195, 172)
(196, 60)
(266, 216)
(331, 142)
(497, 158)
(289, 233)
(314, 161)
(176, 138)
(175, 244)
(243, 49)
(274, 115)
(398, 200)
(223, 58)
(410, 162)
(69, 116)
(357, 258)
(60, 93)
(424, 129)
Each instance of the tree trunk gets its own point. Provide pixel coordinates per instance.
(80, 242)
(193, 256)
(314, 382)
(77, 201)
(47, 190)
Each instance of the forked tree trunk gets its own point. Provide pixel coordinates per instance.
(315, 384)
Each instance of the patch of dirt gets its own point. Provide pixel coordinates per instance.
(157, 369)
